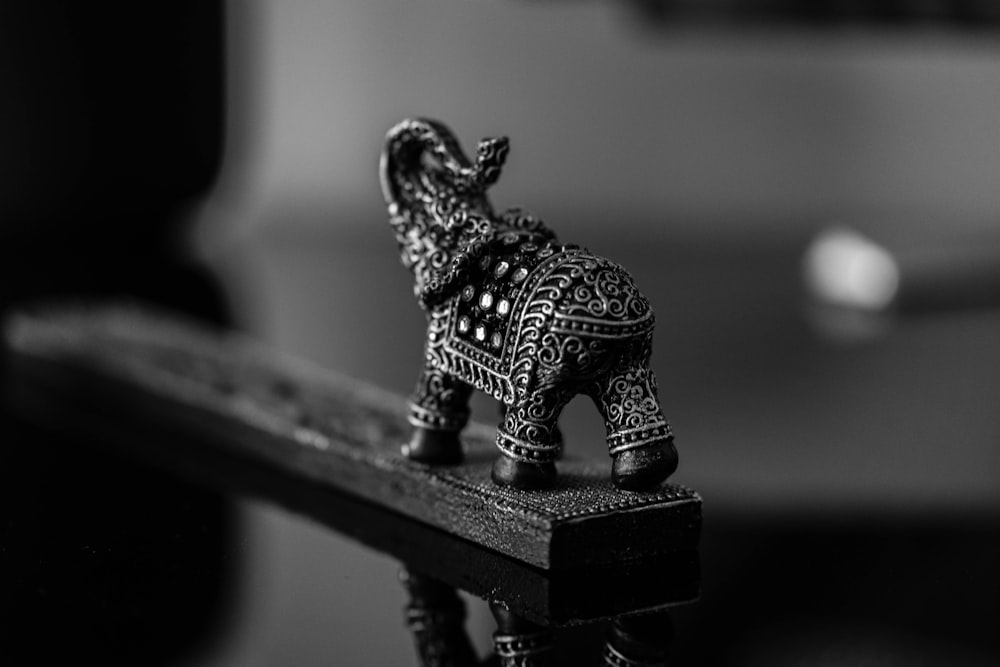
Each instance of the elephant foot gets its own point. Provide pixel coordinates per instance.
(644, 468)
(523, 475)
(434, 447)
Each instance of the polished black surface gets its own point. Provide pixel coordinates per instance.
(131, 564)
(193, 560)
(106, 559)
(102, 556)
(139, 559)
(189, 561)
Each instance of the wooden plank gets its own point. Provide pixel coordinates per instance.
(550, 598)
(338, 432)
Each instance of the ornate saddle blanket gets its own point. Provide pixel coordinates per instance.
(529, 298)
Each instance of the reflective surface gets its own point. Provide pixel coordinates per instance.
(851, 507)
(885, 562)
(109, 558)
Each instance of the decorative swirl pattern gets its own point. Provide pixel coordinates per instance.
(606, 292)
(511, 311)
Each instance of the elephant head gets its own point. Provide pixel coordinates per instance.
(437, 203)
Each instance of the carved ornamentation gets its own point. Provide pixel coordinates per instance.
(517, 314)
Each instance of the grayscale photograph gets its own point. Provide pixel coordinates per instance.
(514, 333)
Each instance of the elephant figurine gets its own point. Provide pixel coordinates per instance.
(515, 313)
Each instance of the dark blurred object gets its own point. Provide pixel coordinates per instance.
(104, 560)
(518, 642)
(111, 121)
(435, 616)
(111, 127)
(877, 587)
(857, 286)
(901, 13)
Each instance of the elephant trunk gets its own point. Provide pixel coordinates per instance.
(437, 201)
(424, 173)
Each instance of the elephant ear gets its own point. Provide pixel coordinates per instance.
(464, 269)
(431, 187)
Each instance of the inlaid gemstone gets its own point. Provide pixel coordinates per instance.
(464, 324)
(496, 339)
(501, 268)
(503, 306)
(519, 275)
(486, 300)
(480, 332)
(468, 292)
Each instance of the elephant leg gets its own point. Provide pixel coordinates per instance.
(439, 410)
(557, 436)
(527, 439)
(639, 437)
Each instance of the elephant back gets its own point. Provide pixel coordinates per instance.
(592, 294)
(533, 300)
(524, 289)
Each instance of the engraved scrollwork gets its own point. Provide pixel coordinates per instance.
(516, 314)
(607, 292)
(440, 401)
(519, 220)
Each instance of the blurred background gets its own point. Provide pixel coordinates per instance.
(704, 158)
(704, 146)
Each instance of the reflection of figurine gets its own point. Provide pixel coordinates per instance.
(435, 615)
(639, 641)
(518, 642)
(515, 313)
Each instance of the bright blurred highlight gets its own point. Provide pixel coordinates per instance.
(844, 268)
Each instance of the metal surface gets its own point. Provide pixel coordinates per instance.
(515, 313)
